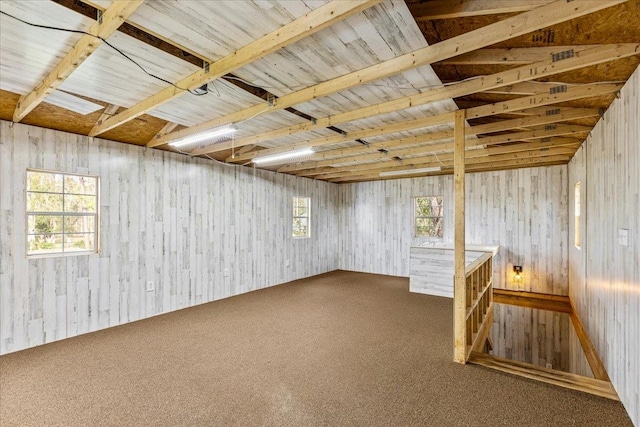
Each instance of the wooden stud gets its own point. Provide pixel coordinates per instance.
(304, 26)
(112, 18)
(460, 348)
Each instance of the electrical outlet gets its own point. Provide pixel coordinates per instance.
(150, 286)
(226, 272)
(287, 263)
(549, 366)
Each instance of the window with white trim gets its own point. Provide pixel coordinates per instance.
(62, 213)
(428, 216)
(301, 217)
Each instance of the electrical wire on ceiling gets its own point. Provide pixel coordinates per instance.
(68, 30)
(284, 88)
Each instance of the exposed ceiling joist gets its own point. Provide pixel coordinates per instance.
(521, 158)
(489, 164)
(545, 68)
(394, 147)
(304, 26)
(111, 19)
(169, 127)
(512, 56)
(448, 9)
(109, 111)
(571, 93)
(446, 147)
(568, 147)
(556, 12)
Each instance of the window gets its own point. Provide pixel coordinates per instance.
(429, 221)
(62, 213)
(576, 216)
(301, 207)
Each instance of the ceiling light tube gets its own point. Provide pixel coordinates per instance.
(410, 171)
(203, 136)
(284, 156)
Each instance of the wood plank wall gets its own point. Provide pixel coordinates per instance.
(167, 218)
(533, 336)
(524, 211)
(604, 274)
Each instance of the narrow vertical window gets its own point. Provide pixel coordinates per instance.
(62, 213)
(576, 219)
(428, 216)
(301, 217)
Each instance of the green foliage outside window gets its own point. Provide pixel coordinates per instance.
(429, 220)
(61, 213)
(301, 207)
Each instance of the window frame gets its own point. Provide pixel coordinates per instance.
(62, 214)
(416, 217)
(307, 217)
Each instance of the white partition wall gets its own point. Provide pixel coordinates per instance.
(198, 230)
(605, 270)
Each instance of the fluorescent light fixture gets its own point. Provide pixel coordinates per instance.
(284, 156)
(410, 171)
(226, 130)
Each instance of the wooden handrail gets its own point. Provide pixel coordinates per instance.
(477, 263)
(478, 300)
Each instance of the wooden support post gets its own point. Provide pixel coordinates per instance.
(460, 306)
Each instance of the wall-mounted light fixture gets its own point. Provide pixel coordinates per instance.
(517, 270)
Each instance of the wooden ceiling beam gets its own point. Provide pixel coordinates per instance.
(520, 158)
(438, 150)
(572, 93)
(554, 13)
(167, 128)
(449, 9)
(391, 147)
(479, 167)
(327, 172)
(109, 111)
(513, 55)
(568, 93)
(304, 26)
(112, 18)
(514, 76)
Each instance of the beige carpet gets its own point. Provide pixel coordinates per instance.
(340, 349)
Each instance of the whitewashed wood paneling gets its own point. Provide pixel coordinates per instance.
(178, 221)
(605, 274)
(539, 337)
(431, 270)
(523, 211)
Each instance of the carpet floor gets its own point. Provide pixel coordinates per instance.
(339, 349)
